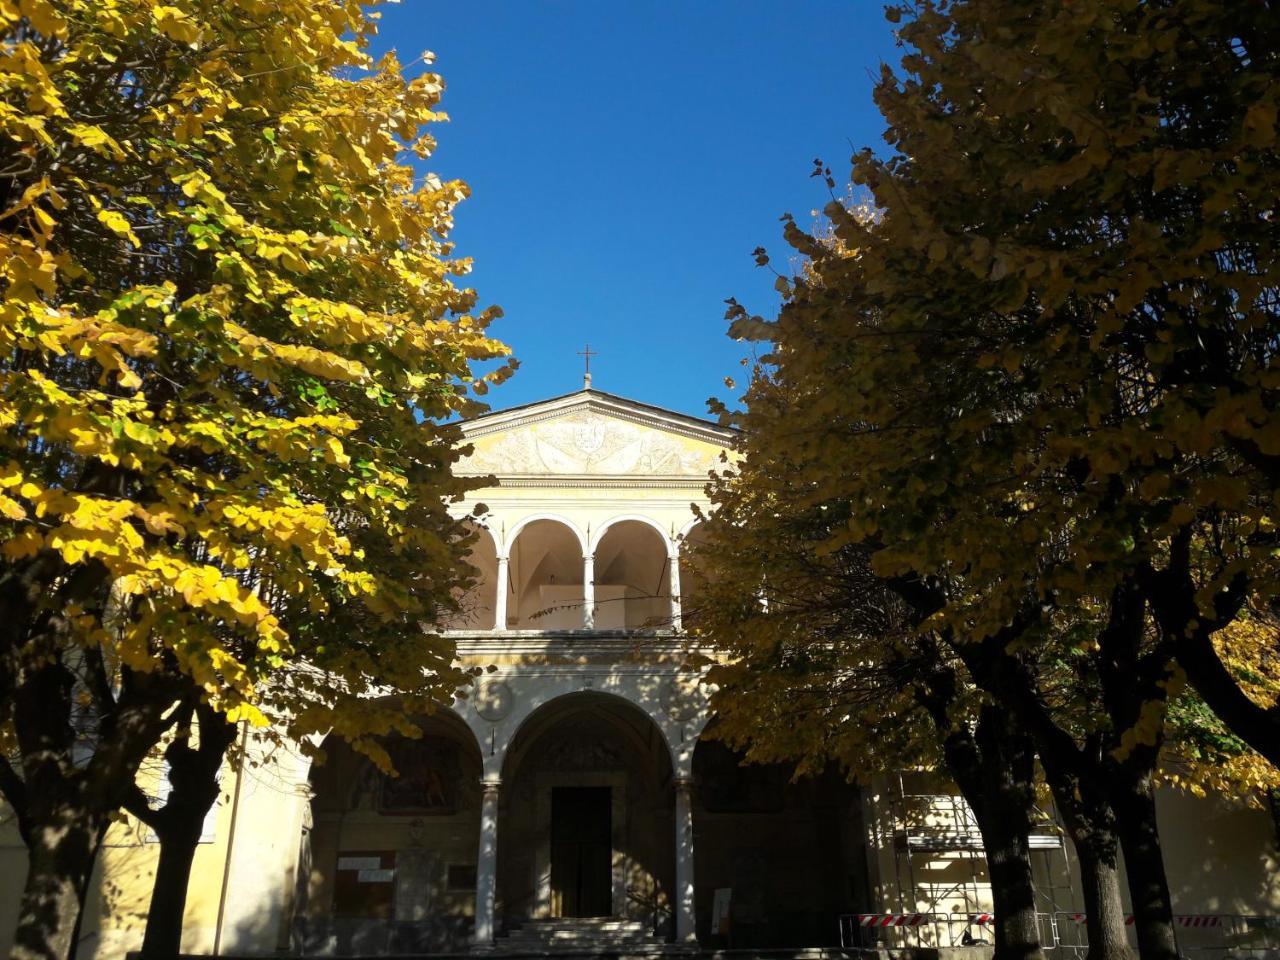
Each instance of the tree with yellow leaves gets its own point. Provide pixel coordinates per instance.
(230, 334)
(1041, 372)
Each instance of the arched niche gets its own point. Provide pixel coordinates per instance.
(389, 865)
(545, 574)
(585, 821)
(477, 603)
(632, 577)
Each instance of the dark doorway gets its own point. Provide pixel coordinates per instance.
(581, 852)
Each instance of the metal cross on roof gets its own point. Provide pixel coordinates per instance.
(586, 355)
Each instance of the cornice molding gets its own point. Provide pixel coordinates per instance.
(569, 644)
(513, 480)
(617, 407)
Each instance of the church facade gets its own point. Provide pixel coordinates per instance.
(579, 803)
(573, 799)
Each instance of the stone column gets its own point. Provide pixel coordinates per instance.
(588, 593)
(686, 931)
(673, 568)
(487, 866)
(500, 601)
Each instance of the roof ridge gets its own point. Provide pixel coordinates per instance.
(589, 394)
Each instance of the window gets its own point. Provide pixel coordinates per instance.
(461, 876)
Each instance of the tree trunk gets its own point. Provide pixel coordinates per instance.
(1144, 866)
(1103, 905)
(995, 769)
(163, 937)
(77, 930)
(193, 777)
(60, 861)
(1091, 822)
(1008, 781)
(1017, 934)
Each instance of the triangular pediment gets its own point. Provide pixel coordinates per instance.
(592, 434)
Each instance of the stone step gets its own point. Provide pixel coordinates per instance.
(584, 934)
(563, 940)
(583, 925)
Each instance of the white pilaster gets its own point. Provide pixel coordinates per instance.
(487, 866)
(500, 602)
(270, 804)
(673, 568)
(686, 932)
(588, 593)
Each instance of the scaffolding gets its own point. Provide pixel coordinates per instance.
(940, 863)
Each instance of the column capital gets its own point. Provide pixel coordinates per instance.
(683, 783)
(490, 786)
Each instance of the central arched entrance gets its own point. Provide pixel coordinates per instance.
(587, 816)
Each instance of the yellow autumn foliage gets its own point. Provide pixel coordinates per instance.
(1029, 362)
(231, 328)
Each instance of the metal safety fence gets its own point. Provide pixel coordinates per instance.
(1199, 936)
(859, 930)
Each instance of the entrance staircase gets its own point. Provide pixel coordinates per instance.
(587, 935)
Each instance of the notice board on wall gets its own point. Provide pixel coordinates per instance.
(365, 885)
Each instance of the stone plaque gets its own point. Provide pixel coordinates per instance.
(414, 867)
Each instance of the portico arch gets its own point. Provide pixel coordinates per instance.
(478, 604)
(789, 847)
(632, 570)
(391, 860)
(518, 527)
(585, 820)
(693, 580)
(604, 528)
(545, 564)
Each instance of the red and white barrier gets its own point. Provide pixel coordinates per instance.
(893, 919)
(919, 919)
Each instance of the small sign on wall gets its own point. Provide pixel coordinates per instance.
(365, 884)
(359, 863)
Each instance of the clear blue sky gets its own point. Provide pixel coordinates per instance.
(625, 158)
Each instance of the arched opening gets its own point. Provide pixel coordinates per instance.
(693, 579)
(586, 818)
(632, 578)
(546, 578)
(789, 850)
(392, 859)
(478, 603)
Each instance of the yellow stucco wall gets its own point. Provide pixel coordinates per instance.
(120, 890)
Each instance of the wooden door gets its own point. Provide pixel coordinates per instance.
(581, 852)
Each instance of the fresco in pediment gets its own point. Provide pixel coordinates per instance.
(584, 442)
